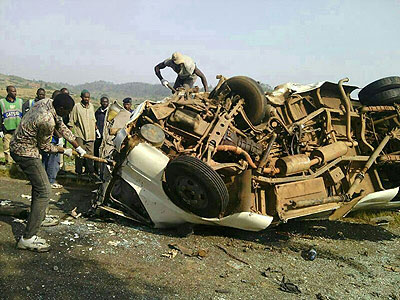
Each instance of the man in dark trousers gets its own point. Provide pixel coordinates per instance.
(32, 136)
(186, 69)
(100, 116)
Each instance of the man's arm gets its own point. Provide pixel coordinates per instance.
(157, 69)
(202, 77)
(63, 130)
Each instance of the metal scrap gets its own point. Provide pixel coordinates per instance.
(232, 256)
(289, 287)
(170, 254)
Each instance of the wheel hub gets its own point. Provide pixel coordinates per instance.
(191, 192)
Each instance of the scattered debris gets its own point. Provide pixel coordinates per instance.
(321, 297)
(341, 235)
(170, 254)
(268, 271)
(55, 268)
(319, 228)
(74, 214)
(16, 220)
(66, 222)
(391, 268)
(29, 197)
(311, 254)
(201, 253)
(189, 252)
(223, 291)
(182, 249)
(384, 220)
(231, 255)
(5, 202)
(114, 243)
(234, 265)
(289, 287)
(58, 193)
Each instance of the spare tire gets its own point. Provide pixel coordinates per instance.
(367, 94)
(194, 186)
(388, 97)
(252, 94)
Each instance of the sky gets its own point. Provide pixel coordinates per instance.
(269, 40)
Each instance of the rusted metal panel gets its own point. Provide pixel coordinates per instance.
(334, 176)
(287, 194)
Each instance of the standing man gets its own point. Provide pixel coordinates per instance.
(51, 161)
(100, 116)
(40, 95)
(186, 69)
(34, 135)
(127, 103)
(83, 121)
(64, 90)
(11, 114)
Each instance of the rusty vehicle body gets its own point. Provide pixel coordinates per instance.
(241, 158)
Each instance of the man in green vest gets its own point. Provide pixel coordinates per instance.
(10, 117)
(40, 95)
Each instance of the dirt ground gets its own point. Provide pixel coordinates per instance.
(113, 258)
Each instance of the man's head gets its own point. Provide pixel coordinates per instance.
(55, 93)
(127, 102)
(177, 58)
(40, 94)
(11, 92)
(85, 96)
(64, 91)
(63, 104)
(104, 102)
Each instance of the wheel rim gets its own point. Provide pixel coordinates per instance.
(191, 192)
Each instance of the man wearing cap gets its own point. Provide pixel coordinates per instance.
(10, 117)
(186, 69)
(127, 102)
(83, 121)
(33, 135)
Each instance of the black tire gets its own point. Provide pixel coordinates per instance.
(367, 94)
(252, 94)
(388, 97)
(194, 186)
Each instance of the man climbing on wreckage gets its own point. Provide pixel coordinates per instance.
(186, 69)
(33, 135)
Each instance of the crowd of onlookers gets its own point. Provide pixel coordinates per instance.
(86, 123)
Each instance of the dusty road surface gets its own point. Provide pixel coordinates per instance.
(107, 259)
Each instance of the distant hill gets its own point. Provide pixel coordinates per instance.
(138, 91)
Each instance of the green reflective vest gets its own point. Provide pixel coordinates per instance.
(11, 113)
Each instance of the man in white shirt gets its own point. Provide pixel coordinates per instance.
(186, 69)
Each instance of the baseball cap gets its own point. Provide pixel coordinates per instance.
(177, 58)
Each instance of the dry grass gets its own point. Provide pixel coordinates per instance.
(365, 216)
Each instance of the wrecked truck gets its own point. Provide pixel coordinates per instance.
(242, 158)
